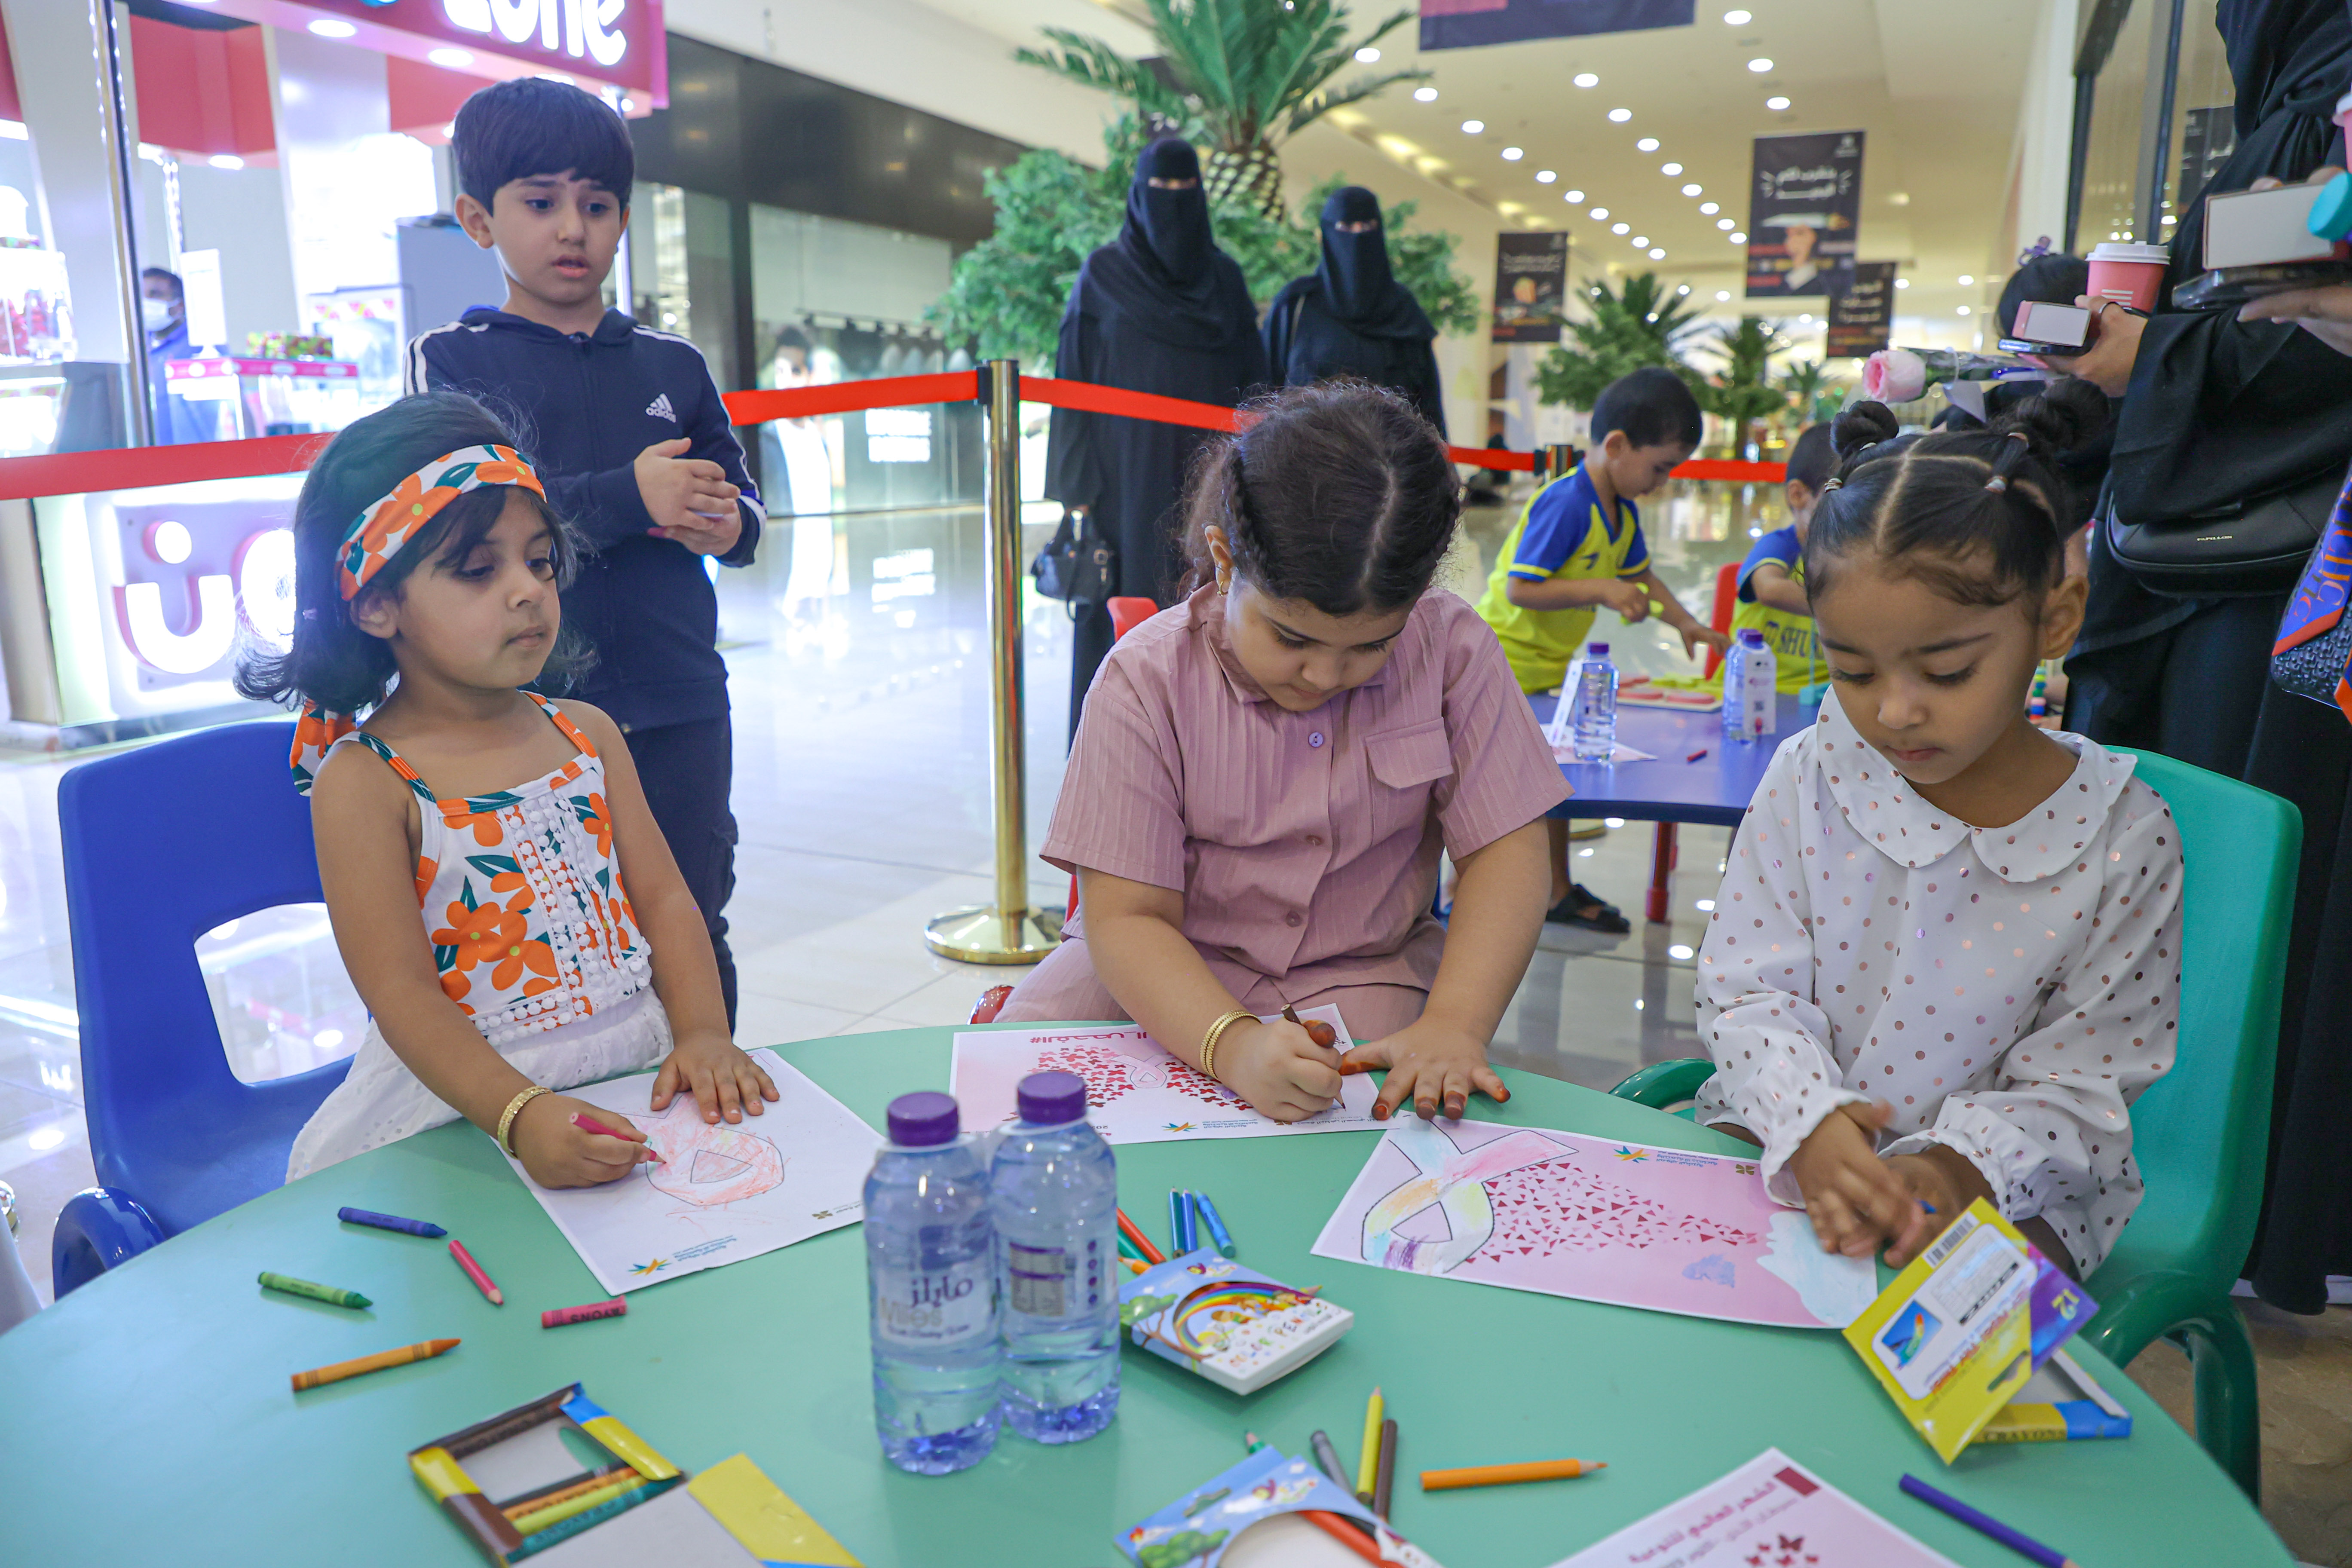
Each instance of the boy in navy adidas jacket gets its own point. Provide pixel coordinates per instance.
(628, 433)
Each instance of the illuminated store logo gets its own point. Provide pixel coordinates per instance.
(258, 588)
(580, 29)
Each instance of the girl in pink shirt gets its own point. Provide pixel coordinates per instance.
(1266, 775)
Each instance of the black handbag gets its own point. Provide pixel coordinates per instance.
(2254, 546)
(1078, 563)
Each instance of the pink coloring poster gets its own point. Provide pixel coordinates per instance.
(1565, 1214)
(1770, 1512)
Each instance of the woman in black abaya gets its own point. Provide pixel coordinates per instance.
(1161, 309)
(1352, 317)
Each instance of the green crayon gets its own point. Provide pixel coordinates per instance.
(327, 1293)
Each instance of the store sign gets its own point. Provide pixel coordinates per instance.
(1467, 24)
(1530, 287)
(1860, 313)
(615, 41)
(1804, 208)
(593, 29)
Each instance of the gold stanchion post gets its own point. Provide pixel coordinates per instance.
(1559, 457)
(1008, 931)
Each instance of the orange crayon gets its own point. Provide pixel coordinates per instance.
(1503, 1475)
(367, 1363)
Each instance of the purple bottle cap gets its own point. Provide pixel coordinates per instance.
(1050, 1099)
(1597, 650)
(922, 1119)
(1752, 637)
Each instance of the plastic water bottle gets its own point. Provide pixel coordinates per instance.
(1054, 1188)
(1594, 734)
(931, 1270)
(1751, 679)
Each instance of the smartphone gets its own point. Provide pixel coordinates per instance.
(2237, 285)
(2264, 228)
(2042, 328)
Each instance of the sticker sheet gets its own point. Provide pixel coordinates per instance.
(1566, 1214)
(722, 1193)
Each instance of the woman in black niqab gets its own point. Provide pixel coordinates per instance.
(1161, 310)
(1352, 317)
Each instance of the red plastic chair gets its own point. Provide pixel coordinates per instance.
(1727, 600)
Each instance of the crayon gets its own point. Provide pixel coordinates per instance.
(1215, 1222)
(1368, 1463)
(1696, 755)
(1327, 1458)
(590, 1124)
(1344, 1531)
(557, 1317)
(1384, 1481)
(1503, 1474)
(367, 1363)
(474, 1271)
(540, 1517)
(389, 1222)
(564, 1530)
(2016, 1541)
(587, 1483)
(1129, 1230)
(327, 1293)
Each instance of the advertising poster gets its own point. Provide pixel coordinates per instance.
(1466, 23)
(1530, 287)
(1804, 205)
(1860, 313)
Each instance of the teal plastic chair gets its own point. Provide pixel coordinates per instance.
(2201, 1133)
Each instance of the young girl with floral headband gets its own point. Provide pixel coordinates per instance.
(427, 563)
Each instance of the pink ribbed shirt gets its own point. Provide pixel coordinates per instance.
(1306, 844)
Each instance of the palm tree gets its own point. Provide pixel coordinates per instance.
(1808, 384)
(1744, 392)
(1644, 324)
(1251, 73)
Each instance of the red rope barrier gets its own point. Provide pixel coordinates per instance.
(132, 467)
(846, 396)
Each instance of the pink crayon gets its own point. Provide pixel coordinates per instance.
(556, 1317)
(590, 1124)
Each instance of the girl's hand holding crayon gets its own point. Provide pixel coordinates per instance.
(1436, 1066)
(1280, 1068)
(1857, 1201)
(722, 1078)
(558, 1152)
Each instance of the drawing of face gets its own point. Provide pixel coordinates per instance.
(708, 1166)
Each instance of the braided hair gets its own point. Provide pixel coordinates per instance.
(1980, 515)
(1337, 494)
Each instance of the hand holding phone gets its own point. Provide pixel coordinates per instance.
(2042, 328)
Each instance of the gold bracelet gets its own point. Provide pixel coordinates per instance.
(506, 1121)
(1217, 1032)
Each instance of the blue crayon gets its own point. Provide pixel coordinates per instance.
(1215, 1222)
(389, 1222)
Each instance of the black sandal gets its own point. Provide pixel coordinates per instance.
(1582, 909)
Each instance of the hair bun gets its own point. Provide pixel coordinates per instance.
(1861, 423)
(2067, 413)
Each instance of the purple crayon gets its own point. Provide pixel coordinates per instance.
(389, 1222)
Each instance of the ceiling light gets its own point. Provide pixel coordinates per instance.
(1621, 115)
(1646, 144)
(1903, 282)
(1759, 65)
(1684, 289)
(1545, 176)
(225, 161)
(1805, 321)
(1425, 95)
(1966, 279)
(1726, 225)
(1572, 197)
(1474, 127)
(1640, 242)
(1513, 154)
(1964, 310)
(1721, 295)
(1657, 253)
(333, 28)
(1691, 190)
(1368, 56)
(455, 60)
(1709, 208)
(1621, 228)
(1736, 18)
(1599, 213)
(1670, 169)
(1586, 79)
(1776, 104)
(1899, 199)
(1737, 237)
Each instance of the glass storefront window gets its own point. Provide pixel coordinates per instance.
(2203, 100)
(682, 260)
(2112, 152)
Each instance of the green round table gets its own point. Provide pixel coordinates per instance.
(147, 1418)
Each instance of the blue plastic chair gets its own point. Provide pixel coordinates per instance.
(2201, 1134)
(163, 844)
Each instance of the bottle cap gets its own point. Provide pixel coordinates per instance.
(2331, 211)
(1597, 650)
(1750, 638)
(1050, 1098)
(923, 1120)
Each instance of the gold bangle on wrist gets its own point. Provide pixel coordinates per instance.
(506, 1121)
(1217, 1032)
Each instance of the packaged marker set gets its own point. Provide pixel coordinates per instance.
(1271, 1498)
(1230, 1324)
(1965, 1327)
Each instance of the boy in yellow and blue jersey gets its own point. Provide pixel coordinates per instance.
(1772, 578)
(1578, 548)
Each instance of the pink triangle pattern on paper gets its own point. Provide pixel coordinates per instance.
(1558, 1206)
(1110, 1074)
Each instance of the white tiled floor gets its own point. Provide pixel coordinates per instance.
(861, 790)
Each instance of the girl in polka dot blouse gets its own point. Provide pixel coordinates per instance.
(1946, 956)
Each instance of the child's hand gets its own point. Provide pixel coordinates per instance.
(722, 1078)
(1941, 1178)
(1629, 600)
(1696, 636)
(1437, 1066)
(558, 1153)
(690, 498)
(1855, 1200)
(1279, 1068)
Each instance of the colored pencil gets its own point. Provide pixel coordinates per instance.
(1176, 1247)
(1192, 1224)
(564, 1530)
(535, 1520)
(1384, 1482)
(1342, 1529)
(474, 1271)
(1253, 1441)
(1368, 1463)
(1134, 1265)
(389, 1222)
(1129, 1230)
(1215, 1222)
(1327, 1458)
(340, 1370)
(1126, 1247)
(1503, 1475)
(329, 1294)
(2016, 1541)
(590, 1124)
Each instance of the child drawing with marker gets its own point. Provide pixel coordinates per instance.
(427, 561)
(1946, 957)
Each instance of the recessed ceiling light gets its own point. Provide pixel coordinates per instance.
(1721, 295)
(225, 161)
(1640, 242)
(1726, 225)
(1621, 228)
(1966, 279)
(1368, 56)
(1737, 237)
(1964, 310)
(1545, 176)
(333, 28)
(1474, 127)
(1709, 208)
(1899, 198)
(1736, 18)
(1691, 190)
(1586, 79)
(1513, 154)
(1571, 196)
(1903, 282)
(1657, 253)
(1684, 289)
(1759, 65)
(1599, 213)
(1621, 115)
(1670, 169)
(1646, 144)
(455, 60)
(1805, 321)
(1425, 95)
(1776, 103)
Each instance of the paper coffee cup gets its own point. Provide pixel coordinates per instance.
(2127, 273)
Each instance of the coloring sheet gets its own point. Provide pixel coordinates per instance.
(1136, 1092)
(1770, 1512)
(722, 1193)
(1567, 1215)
